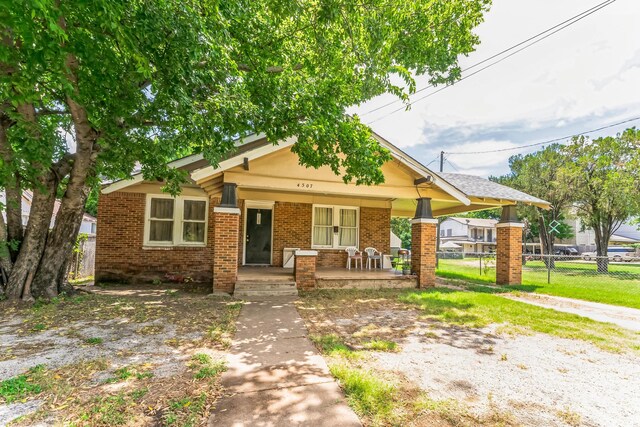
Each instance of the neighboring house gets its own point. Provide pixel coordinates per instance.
(259, 205)
(584, 238)
(470, 234)
(88, 225)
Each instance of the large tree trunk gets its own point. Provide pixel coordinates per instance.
(50, 276)
(13, 193)
(35, 237)
(14, 219)
(602, 243)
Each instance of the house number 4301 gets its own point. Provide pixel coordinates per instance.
(304, 185)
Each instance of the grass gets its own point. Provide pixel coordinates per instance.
(570, 279)
(205, 367)
(74, 394)
(369, 395)
(21, 386)
(479, 309)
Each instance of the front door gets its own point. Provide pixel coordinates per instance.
(258, 236)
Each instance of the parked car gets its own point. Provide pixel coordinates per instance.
(614, 253)
(566, 253)
(630, 257)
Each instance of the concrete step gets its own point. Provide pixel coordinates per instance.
(259, 286)
(265, 293)
(255, 289)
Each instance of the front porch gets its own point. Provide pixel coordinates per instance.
(258, 278)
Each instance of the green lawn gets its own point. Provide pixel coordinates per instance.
(621, 286)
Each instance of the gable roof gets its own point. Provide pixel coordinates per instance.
(476, 186)
(459, 186)
(476, 222)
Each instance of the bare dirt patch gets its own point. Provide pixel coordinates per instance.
(119, 355)
(459, 375)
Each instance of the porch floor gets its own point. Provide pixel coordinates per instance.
(356, 274)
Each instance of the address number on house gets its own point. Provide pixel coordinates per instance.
(305, 185)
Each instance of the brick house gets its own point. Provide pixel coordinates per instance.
(259, 207)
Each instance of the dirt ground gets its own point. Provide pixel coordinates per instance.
(118, 355)
(529, 380)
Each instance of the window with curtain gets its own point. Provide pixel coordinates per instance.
(193, 221)
(161, 220)
(348, 227)
(328, 219)
(323, 226)
(176, 221)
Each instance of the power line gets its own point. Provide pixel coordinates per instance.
(558, 27)
(452, 165)
(548, 141)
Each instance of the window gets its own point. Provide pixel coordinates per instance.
(449, 232)
(335, 226)
(175, 221)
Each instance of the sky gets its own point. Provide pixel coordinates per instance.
(581, 78)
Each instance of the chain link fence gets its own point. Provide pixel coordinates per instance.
(544, 269)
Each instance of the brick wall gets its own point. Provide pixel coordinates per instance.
(305, 272)
(291, 228)
(423, 252)
(120, 255)
(509, 255)
(225, 250)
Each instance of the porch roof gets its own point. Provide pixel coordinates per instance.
(451, 192)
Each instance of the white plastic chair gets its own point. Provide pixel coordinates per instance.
(373, 255)
(353, 254)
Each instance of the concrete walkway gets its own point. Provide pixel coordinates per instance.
(275, 376)
(625, 317)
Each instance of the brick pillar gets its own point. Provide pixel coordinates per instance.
(226, 224)
(305, 269)
(423, 250)
(509, 248)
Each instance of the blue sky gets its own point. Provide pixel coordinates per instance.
(584, 77)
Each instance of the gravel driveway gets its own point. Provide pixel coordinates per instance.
(540, 379)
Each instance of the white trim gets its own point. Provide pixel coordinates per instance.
(137, 178)
(306, 253)
(178, 219)
(124, 183)
(424, 221)
(222, 209)
(422, 170)
(239, 159)
(257, 204)
(336, 217)
(510, 224)
(260, 204)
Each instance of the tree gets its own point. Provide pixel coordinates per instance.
(603, 175)
(401, 227)
(92, 89)
(538, 175)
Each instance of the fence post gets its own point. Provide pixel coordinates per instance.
(549, 269)
(480, 258)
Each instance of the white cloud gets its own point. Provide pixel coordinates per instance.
(585, 76)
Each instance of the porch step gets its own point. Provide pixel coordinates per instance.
(257, 288)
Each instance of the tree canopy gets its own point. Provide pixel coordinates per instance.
(94, 89)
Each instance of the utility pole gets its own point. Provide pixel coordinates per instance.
(441, 161)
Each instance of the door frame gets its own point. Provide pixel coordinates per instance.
(256, 204)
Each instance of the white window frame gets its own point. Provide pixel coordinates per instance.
(178, 220)
(336, 222)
